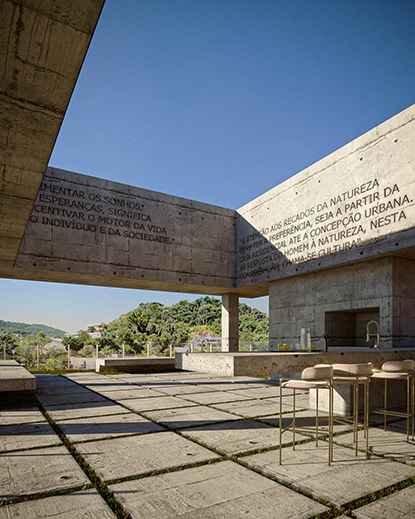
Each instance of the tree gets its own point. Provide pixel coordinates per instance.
(10, 341)
(75, 343)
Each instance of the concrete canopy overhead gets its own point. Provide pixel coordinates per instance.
(58, 226)
(43, 45)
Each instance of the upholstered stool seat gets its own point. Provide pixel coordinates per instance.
(317, 377)
(398, 370)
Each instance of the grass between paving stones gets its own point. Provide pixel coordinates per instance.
(29, 400)
(35, 497)
(101, 487)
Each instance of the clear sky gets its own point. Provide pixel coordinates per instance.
(219, 101)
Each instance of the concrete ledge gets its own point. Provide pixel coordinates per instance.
(236, 364)
(137, 365)
(14, 377)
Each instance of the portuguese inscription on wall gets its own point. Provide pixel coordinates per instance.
(97, 212)
(334, 224)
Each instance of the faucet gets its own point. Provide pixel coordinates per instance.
(369, 335)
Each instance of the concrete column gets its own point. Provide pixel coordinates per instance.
(230, 322)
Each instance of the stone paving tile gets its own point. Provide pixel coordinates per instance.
(182, 389)
(237, 437)
(222, 490)
(163, 384)
(189, 416)
(135, 455)
(20, 416)
(38, 471)
(131, 392)
(65, 412)
(86, 378)
(224, 386)
(160, 402)
(108, 386)
(96, 428)
(87, 504)
(70, 398)
(215, 397)
(253, 380)
(304, 418)
(13, 437)
(60, 389)
(44, 380)
(137, 378)
(252, 408)
(348, 478)
(400, 505)
(301, 400)
(390, 443)
(260, 392)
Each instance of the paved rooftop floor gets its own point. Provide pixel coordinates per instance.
(190, 445)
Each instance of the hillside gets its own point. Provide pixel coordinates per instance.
(175, 324)
(29, 329)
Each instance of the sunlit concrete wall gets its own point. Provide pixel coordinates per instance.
(94, 229)
(357, 203)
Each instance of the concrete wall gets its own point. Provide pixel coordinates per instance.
(354, 204)
(352, 290)
(92, 227)
(404, 302)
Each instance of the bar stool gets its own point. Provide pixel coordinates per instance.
(317, 377)
(398, 370)
(355, 375)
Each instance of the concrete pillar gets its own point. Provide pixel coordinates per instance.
(230, 322)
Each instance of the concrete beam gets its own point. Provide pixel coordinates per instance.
(43, 47)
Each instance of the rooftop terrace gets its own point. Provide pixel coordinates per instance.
(186, 444)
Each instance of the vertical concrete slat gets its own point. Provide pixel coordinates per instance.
(230, 322)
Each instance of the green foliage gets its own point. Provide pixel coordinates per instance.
(10, 341)
(160, 326)
(75, 343)
(149, 324)
(29, 329)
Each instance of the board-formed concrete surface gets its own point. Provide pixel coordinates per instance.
(136, 365)
(347, 479)
(160, 402)
(236, 364)
(136, 455)
(87, 504)
(39, 471)
(389, 443)
(224, 490)
(241, 436)
(400, 505)
(21, 416)
(127, 393)
(215, 397)
(189, 416)
(183, 389)
(70, 398)
(28, 436)
(109, 426)
(63, 412)
(253, 408)
(236, 460)
(14, 377)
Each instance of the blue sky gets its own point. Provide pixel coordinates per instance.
(219, 101)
